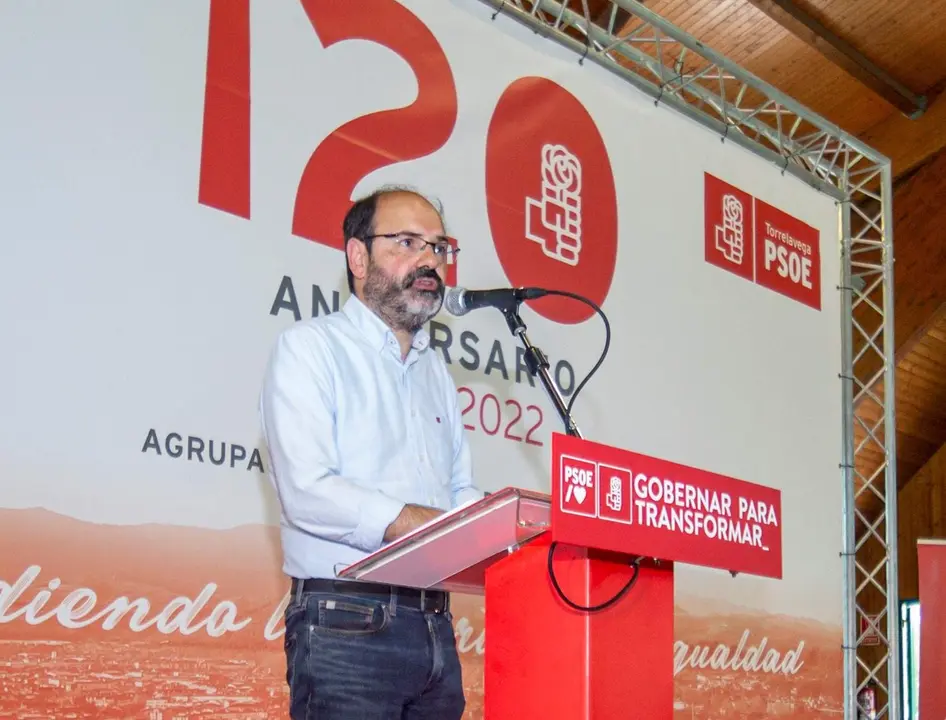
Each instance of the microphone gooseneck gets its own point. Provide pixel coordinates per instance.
(459, 301)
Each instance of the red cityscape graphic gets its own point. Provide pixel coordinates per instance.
(51, 671)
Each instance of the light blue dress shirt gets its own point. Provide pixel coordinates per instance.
(354, 433)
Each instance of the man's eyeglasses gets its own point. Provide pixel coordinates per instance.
(412, 242)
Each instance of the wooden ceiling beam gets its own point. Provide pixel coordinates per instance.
(814, 33)
(910, 143)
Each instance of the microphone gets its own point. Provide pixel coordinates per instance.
(459, 301)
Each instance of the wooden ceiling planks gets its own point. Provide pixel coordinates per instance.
(920, 410)
(750, 38)
(920, 248)
(905, 38)
(910, 143)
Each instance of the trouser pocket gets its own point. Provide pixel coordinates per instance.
(345, 615)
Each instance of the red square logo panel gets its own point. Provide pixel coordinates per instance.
(761, 243)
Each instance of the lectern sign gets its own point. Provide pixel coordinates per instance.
(612, 499)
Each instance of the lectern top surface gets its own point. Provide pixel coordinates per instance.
(453, 551)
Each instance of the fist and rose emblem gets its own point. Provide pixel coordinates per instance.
(540, 180)
(554, 219)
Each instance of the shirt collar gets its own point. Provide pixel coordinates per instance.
(374, 328)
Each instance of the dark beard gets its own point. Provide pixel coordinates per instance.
(400, 306)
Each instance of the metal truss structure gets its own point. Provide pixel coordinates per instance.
(677, 70)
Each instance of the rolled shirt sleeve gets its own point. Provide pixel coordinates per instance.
(297, 404)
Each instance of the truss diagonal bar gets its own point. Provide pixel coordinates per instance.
(676, 70)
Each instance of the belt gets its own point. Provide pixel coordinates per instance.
(435, 601)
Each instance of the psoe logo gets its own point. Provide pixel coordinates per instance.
(578, 492)
(538, 185)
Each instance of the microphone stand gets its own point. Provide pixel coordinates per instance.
(538, 364)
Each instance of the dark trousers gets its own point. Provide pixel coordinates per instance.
(361, 658)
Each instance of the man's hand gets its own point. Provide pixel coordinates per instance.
(412, 516)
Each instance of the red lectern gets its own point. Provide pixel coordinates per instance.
(579, 583)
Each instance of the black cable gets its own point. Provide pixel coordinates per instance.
(607, 339)
(636, 564)
(604, 353)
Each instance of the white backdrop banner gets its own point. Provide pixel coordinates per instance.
(173, 177)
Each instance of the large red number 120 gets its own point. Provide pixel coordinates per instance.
(351, 151)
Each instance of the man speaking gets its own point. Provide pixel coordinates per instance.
(364, 431)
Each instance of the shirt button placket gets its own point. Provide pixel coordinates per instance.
(420, 443)
(409, 414)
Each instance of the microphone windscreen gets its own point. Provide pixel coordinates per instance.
(453, 302)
